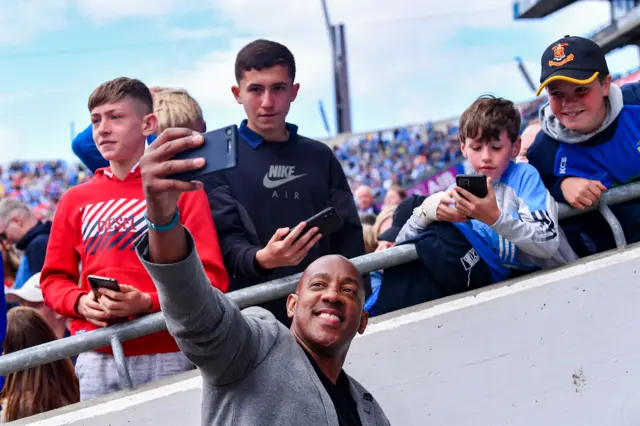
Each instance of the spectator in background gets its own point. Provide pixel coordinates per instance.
(527, 137)
(3, 317)
(175, 107)
(394, 196)
(370, 240)
(96, 225)
(30, 295)
(38, 389)
(11, 262)
(385, 231)
(365, 201)
(383, 222)
(281, 179)
(19, 226)
(368, 219)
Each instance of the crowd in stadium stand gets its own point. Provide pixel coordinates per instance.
(40, 184)
(404, 156)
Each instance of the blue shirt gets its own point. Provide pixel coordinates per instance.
(613, 162)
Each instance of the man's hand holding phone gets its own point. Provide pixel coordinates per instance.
(284, 250)
(485, 209)
(127, 302)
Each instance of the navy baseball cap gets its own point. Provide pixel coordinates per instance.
(577, 60)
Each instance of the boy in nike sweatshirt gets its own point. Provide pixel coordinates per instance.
(96, 225)
(589, 140)
(281, 180)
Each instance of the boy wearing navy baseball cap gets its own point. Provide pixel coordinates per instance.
(588, 141)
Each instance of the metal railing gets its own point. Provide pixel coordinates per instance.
(114, 335)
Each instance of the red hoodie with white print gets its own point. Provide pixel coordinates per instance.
(95, 226)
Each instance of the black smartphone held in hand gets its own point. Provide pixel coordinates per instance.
(475, 184)
(219, 151)
(327, 221)
(97, 283)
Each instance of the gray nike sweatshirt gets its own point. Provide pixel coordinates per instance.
(254, 371)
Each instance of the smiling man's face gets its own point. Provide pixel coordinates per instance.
(327, 308)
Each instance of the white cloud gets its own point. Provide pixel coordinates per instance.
(109, 10)
(21, 21)
(391, 45)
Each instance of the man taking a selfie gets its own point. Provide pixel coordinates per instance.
(282, 179)
(255, 371)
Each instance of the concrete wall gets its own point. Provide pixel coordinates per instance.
(558, 348)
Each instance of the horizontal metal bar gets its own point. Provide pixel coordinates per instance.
(100, 338)
(612, 197)
(73, 345)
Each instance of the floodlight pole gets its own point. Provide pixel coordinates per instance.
(337, 40)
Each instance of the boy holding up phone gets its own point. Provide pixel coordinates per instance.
(96, 225)
(466, 241)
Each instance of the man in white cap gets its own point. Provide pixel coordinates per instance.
(30, 295)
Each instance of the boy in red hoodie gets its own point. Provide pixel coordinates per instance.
(95, 226)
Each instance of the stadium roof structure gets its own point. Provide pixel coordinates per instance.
(533, 9)
(622, 32)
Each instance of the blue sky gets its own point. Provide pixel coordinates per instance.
(410, 60)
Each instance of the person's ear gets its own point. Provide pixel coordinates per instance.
(515, 149)
(606, 85)
(364, 321)
(149, 125)
(292, 300)
(294, 91)
(236, 94)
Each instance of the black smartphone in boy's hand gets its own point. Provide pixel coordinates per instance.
(475, 184)
(219, 151)
(327, 221)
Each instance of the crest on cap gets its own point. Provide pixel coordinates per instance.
(559, 55)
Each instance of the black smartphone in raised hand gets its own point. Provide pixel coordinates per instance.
(327, 221)
(475, 184)
(219, 151)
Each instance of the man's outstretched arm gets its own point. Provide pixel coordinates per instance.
(208, 327)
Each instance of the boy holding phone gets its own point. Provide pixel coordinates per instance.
(96, 225)
(282, 179)
(466, 241)
(588, 141)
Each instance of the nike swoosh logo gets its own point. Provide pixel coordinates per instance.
(270, 184)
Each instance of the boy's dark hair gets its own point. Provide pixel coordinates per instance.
(261, 54)
(122, 87)
(489, 116)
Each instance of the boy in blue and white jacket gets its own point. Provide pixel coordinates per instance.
(466, 242)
